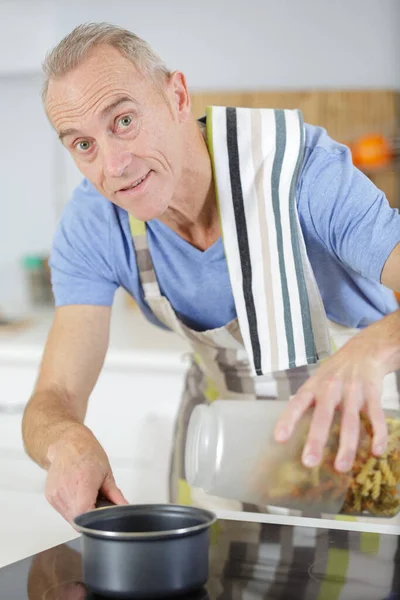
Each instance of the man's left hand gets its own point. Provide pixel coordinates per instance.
(351, 380)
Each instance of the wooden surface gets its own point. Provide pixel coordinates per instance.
(344, 114)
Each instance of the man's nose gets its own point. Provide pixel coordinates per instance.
(115, 161)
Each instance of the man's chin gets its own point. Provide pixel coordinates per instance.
(147, 213)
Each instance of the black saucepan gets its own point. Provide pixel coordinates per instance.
(145, 551)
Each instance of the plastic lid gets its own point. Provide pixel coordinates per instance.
(201, 447)
(31, 262)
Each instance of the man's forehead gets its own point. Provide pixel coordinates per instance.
(94, 98)
(102, 100)
(103, 69)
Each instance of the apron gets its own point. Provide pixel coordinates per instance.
(243, 563)
(220, 369)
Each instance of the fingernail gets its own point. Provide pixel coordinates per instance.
(378, 449)
(310, 460)
(342, 465)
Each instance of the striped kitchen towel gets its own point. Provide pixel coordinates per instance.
(256, 156)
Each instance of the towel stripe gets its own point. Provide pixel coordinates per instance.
(218, 146)
(242, 235)
(259, 168)
(292, 150)
(268, 148)
(253, 221)
(303, 295)
(276, 173)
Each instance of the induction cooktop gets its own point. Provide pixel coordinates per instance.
(247, 561)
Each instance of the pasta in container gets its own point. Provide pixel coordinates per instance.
(372, 487)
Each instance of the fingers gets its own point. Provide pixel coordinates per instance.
(377, 417)
(72, 591)
(110, 490)
(349, 380)
(326, 400)
(295, 409)
(330, 395)
(325, 394)
(74, 490)
(69, 498)
(56, 501)
(357, 396)
(349, 426)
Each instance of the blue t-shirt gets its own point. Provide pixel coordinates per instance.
(348, 226)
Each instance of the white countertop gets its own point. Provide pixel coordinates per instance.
(133, 339)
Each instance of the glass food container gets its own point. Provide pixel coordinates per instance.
(231, 453)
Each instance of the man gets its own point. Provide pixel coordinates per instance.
(146, 218)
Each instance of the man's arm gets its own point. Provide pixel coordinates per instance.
(391, 271)
(53, 431)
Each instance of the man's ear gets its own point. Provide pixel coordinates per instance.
(179, 96)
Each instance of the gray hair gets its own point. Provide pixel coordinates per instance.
(73, 49)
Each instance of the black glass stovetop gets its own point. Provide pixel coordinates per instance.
(248, 561)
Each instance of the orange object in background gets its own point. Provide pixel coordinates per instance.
(372, 151)
(397, 294)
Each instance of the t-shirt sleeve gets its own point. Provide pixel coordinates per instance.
(351, 216)
(81, 257)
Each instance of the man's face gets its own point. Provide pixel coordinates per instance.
(124, 135)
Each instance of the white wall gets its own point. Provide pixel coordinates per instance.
(27, 187)
(261, 43)
(219, 44)
(27, 29)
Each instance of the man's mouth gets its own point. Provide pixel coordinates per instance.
(135, 184)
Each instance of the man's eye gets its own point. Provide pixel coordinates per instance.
(125, 121)
(83, 146)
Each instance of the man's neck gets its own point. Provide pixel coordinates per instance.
(193, 212)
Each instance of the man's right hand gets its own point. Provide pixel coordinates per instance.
(79, 472)
(53, 429)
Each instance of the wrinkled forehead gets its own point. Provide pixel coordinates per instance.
(83, 90)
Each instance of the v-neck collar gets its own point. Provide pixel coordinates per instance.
(215, 251)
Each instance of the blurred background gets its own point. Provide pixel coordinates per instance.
(337, 61)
